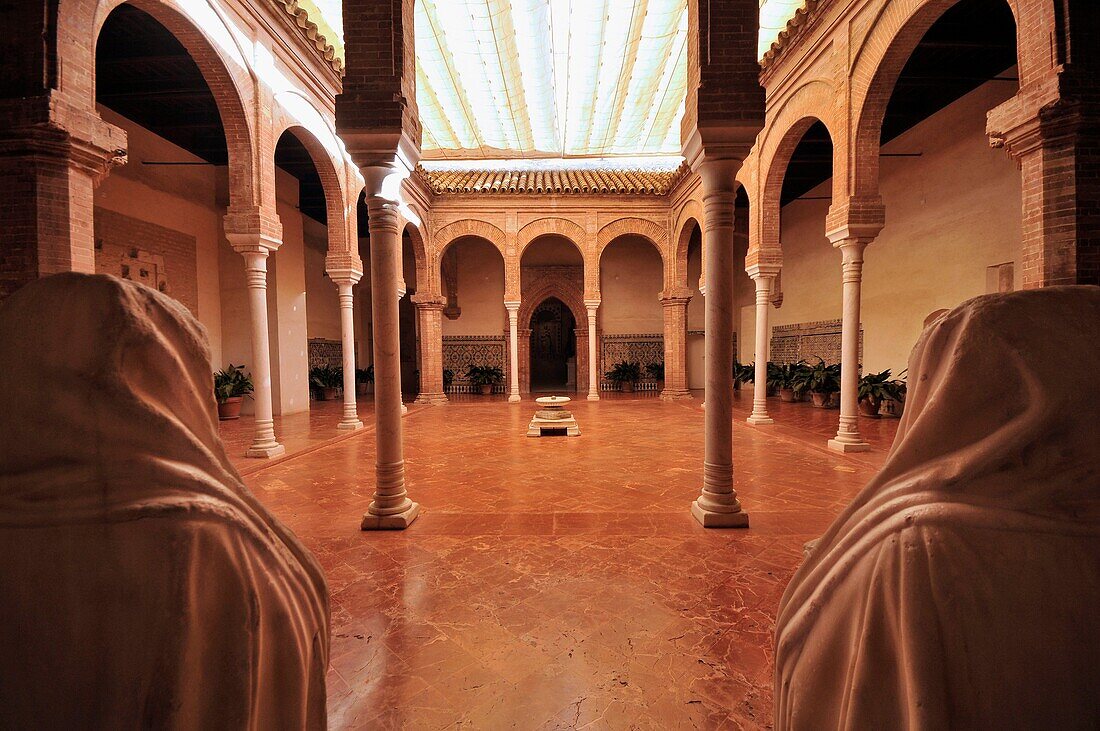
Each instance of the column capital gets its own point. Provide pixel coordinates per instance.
(512, 305)
(428, 302)
(592, 305)
(857, 217)
(675, 301)
(253, 226)
(763, 271)
(676, 292)
(344, 268)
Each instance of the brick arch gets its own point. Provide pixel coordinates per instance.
(335, 199)
(879, 60)
(776, 172)
(469, 227)
(424, 281)
(566, 290)
(551, 225)
(690, 216)
(646, 229)
(223, 66)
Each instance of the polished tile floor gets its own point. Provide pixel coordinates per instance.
(561, 582)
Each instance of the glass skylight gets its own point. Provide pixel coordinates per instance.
(550, 78)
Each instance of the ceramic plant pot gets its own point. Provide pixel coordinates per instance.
(230, 408)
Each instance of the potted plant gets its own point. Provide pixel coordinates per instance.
(656, 371)
(448, 378)
(326, 381)
(743, 374)
(894, 405)
(625, 373)
(792, 381)
(364, 379)
(231, 385)
(775, 378)
(874, 388)
(485, 377)
(823, 381)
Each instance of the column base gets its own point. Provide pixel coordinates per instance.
(432, 399)
(710, 519)
(759, 420)
(514, 398)
(838, 446)
(675, 395)
(350, 425)
(593, 397)
(266, 452)
(404, 409)
(398, 521)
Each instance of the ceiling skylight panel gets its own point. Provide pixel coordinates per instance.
(667, 107)
(587, 26)
(469, 38)
(643, 92)
(434, 62)
(534, 43)
(624, 27)
(438, 131)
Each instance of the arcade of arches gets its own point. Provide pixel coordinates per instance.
(883, 161)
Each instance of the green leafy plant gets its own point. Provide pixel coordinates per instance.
(486, 375)
(625, 371)
(231, 382)
(775, 376)
(793, 376)
(448, 377)
(656, 371)
(878, 386)
(326, 376)
(823, 378)
(364, 375)
(744, 373)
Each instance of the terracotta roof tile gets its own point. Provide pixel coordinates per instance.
(624, 181)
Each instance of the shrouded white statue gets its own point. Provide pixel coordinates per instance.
(143, 586)
(961, 587)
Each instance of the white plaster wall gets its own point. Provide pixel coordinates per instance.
(287, 305)
(180, 197)
(322, 296)
(631, 280)
(480, 290)
(950, 214)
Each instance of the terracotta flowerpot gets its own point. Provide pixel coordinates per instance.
(329, 393)
(230, 408)
(821, 400)
(869, 407)
(486, 389)
(787, 395)
(628, 387)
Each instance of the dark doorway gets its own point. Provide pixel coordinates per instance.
(553, 347)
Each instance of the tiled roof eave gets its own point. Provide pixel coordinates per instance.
(309, 29)
(632, 182)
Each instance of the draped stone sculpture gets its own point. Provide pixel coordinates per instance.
(143, 586)
(960, 588)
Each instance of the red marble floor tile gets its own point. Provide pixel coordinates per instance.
(562, 583)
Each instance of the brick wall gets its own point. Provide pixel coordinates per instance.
(145, 252)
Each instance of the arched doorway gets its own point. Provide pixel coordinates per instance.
(553, 347)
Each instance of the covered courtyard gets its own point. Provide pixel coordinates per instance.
(556, 582)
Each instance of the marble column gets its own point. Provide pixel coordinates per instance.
(429, 313)
(391, 507)
(717, 505)
(675, 311)
(764, 279)
(513, 349)
(345, 284)
(847, 437)
(255, 249)
(593, 371)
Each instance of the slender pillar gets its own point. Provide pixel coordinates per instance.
(847, 437)
(764, 279)
(401, 292)
(345, 284)
(255, 251)
(675, 310)
(429, 312)
(593, 371)
(717, 505)
(513, 349)
(391, 507)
